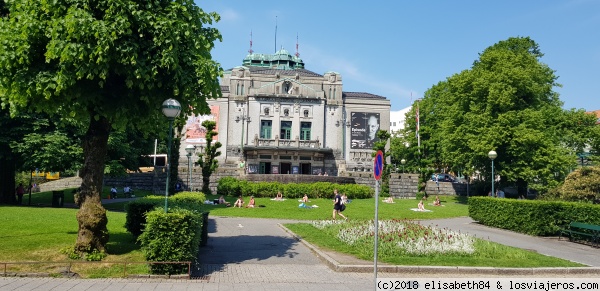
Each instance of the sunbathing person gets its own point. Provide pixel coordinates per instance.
(437, 201)
(389, 200)
(251, 203)
(239, 202)
(279, 196)
(305, 199)
(223, 201)
(421, 206)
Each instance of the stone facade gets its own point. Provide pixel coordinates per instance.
(281, 118)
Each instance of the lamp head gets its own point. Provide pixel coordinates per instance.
(171, 108)
(403, 161)
(492, 155)
(190, 149)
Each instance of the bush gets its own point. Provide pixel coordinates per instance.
(135, 218)
(582, 184)
(533, 217)
(136, 210)
(171, 237)
(233, 187)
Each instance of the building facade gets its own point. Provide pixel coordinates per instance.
(280, 118)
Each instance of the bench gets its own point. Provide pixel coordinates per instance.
(579, 230)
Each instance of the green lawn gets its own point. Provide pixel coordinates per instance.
(37, 234)
(358, 209)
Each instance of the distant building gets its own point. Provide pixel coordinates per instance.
(397, 120)
(597, 113)
(281, 118)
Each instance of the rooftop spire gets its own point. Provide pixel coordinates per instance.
(250, 50)
(297, 54)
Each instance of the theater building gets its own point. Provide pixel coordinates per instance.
(280, 118)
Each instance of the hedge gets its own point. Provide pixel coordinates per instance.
(171, 237)
(533, 217)
(229, 186)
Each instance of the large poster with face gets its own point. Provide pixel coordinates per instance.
(363, 129)
(195, 133)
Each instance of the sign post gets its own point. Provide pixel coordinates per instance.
(377, 171)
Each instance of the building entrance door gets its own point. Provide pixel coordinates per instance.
(286, 168)
(305, 169)
(264, 168)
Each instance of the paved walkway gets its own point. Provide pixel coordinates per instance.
(259, 254)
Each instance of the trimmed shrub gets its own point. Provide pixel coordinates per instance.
(291, 190)
(171, 237)
(533, 217)
(137, 209)
(135, 218)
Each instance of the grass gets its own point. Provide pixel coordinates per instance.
(486, 254)
(358, 209)
(36, 234)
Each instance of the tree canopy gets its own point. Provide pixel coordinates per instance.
(504, 102)
(106, 64)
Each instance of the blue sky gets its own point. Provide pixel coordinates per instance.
(401, 48)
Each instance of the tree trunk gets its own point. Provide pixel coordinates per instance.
(7, 177)
(93, 234)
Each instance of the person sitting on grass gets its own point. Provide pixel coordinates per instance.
(239, 202)
(279, 196)
(305, 198)
(223, 201)
(437, 201)
(389, 200)
(421, 206)
(251, 203)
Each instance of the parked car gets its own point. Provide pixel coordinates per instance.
(443, 178)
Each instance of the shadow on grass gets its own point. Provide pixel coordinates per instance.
(121, 243)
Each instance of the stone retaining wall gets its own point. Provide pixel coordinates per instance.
(401, 185)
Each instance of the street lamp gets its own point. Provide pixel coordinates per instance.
(403, 161)
(190, 150)
(492, 155)
(242, 118)
(171, 109)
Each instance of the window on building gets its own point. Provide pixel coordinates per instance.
(242, 89)
(286, 130)
(265, 129)
(305, 130)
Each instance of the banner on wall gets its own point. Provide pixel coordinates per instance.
(195, 133)
(364, 127)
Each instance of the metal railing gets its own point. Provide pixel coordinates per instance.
(69, 265)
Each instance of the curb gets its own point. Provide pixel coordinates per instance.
(421, 270)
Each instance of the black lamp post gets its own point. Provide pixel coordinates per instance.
(171, 109)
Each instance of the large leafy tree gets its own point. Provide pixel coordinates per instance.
(107, 64)
(506, 103)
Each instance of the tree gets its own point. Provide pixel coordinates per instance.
(106, 64)
(506, 103)
(207, 160)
